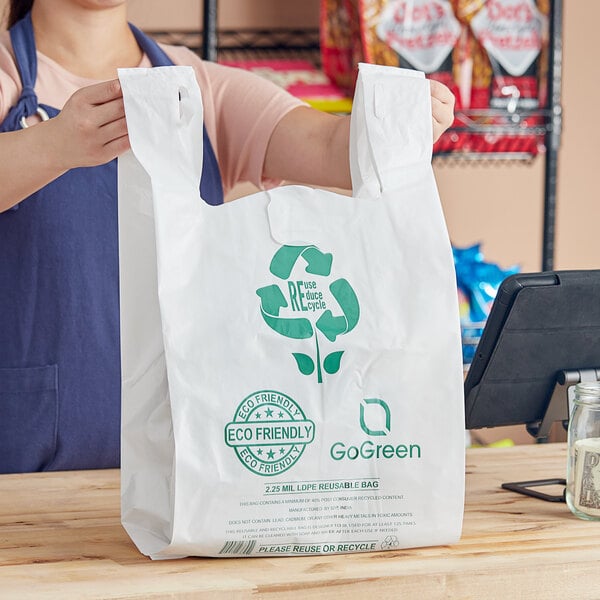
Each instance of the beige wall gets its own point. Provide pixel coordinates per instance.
(187, 14)
(499, 205)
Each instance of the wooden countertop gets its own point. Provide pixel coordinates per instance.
(60, 537)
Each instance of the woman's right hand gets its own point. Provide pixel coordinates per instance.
(91, 129)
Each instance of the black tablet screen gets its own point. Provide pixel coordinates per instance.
(539, 324)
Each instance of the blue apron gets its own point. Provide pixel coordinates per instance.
(59, 302)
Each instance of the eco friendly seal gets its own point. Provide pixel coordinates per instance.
(269, 432)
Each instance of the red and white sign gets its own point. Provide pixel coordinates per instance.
(511, 32)
(423, 32)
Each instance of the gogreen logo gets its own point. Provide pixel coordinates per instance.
(305, 307)
(376, 421)
(269, 432)
(379, 413)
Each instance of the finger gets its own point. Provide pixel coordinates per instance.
(100, 93)
(112, 131)
(102, 114)
(439, 111)
(441, 92)
(117, 146)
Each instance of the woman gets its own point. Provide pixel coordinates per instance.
(62, 122)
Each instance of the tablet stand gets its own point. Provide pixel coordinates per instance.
(558, 409)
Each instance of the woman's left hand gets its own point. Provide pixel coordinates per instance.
(442, 108)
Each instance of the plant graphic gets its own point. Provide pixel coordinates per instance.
(306, 297)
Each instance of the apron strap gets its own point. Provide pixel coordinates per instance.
(23, 43)
(156, 55)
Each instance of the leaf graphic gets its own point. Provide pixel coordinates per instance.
(305, 363)
(332, 361)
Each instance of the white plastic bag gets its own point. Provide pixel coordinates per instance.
(291, 361)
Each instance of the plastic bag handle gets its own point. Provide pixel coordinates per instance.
(164, 112)
(391, 128)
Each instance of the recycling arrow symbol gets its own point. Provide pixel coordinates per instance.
(273, 300)
(332, 326)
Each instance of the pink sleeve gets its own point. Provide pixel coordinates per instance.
(241, 111)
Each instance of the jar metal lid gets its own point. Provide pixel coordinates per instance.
(588, 391)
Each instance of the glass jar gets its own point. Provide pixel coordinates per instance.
(583, 463)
